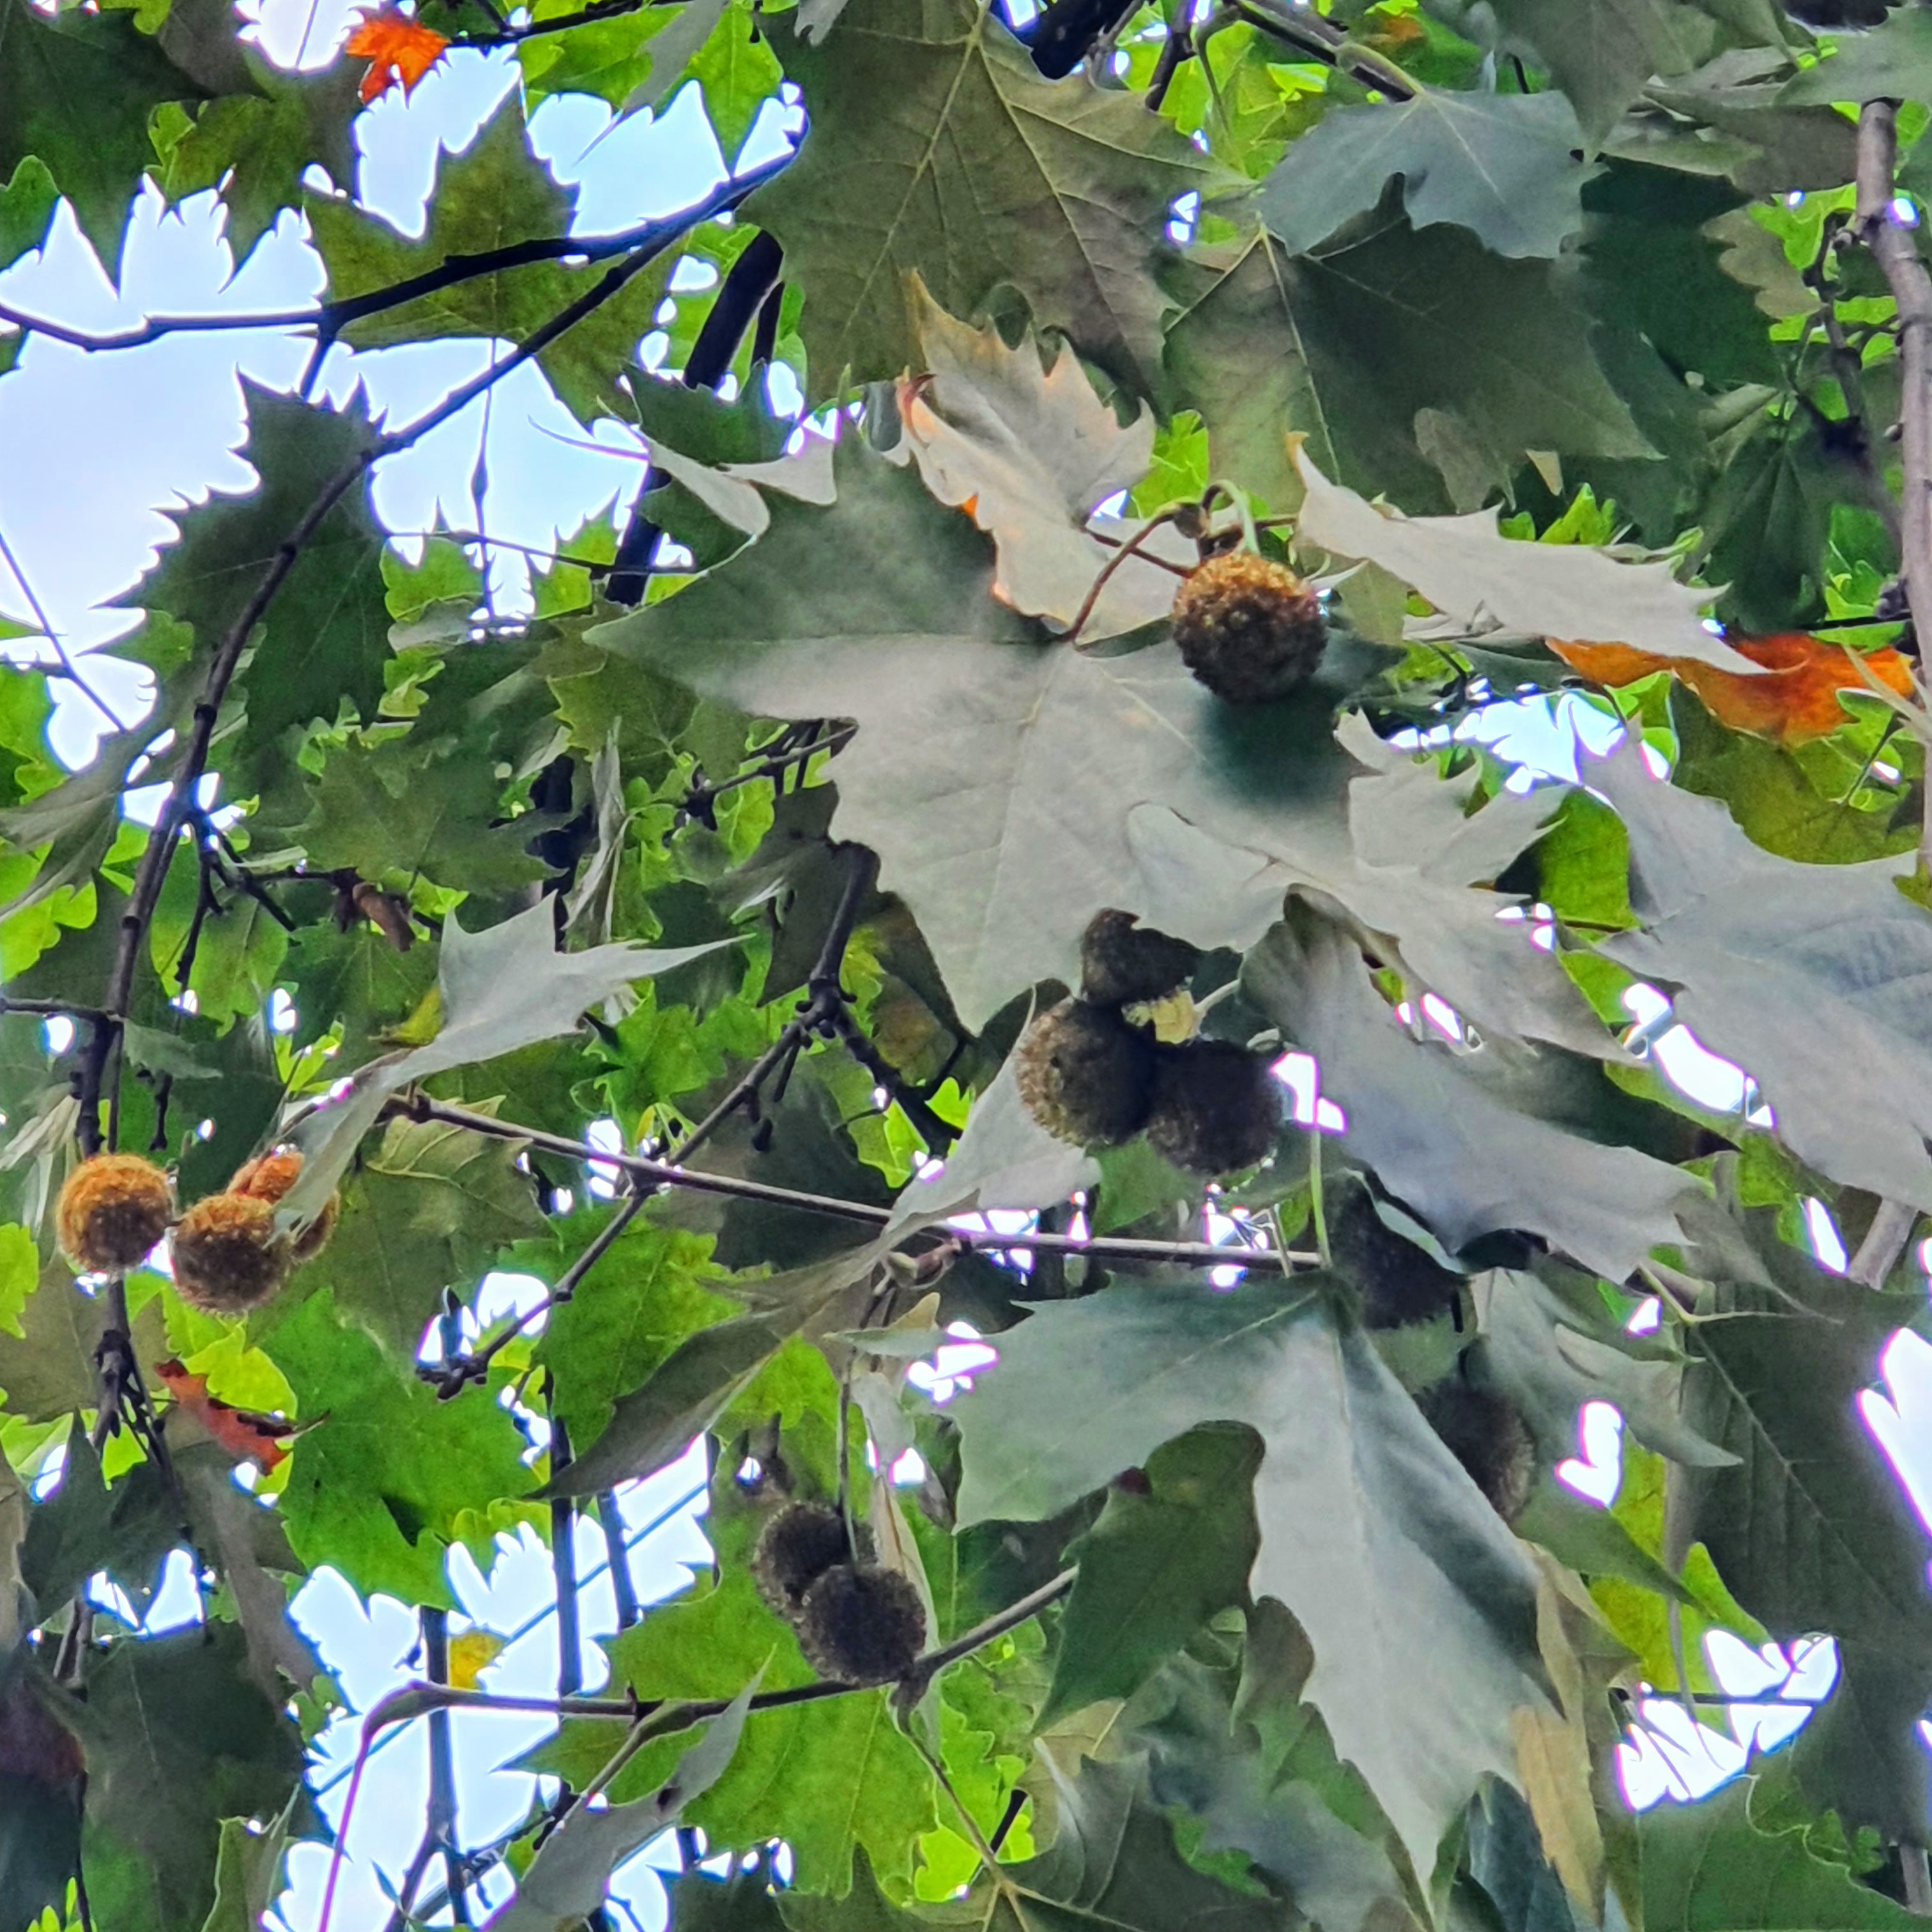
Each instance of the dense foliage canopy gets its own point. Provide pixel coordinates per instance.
(1521, 347)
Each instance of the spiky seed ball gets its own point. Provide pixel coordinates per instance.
(1124, 963)
(1086, 1076)
(268, 1178)
(113, 1211)
(795, 1548)
(1399, 1282)
(227, 1259)
(1489, 1439)
(1248, 627)
(861, 1624)
(1216, 1106)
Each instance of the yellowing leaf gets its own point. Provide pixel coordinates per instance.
(470, 1655)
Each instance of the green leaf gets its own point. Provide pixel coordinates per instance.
(1367, 344)
(1357, 1501)
(76, 91)
(1893, 62)
(27, 205)
(1460, 1137)
(86, 1526)
(1810, 1527)
(1601, 56)
(1479, 579)
(656, 1289)
(1775, 799)
(257, 145)
(1505, 165)
(566, 1880)
(501, 989)
(1005, 840)
(40, 1849)
(1707, 1868)
(1031, 453)
(1166, 1554)
(651, 1426)
(984, 174)
(393, 1476)
(177, 1739)
(739, 72)
(492, 195)
(1804, 974)
(326, 637)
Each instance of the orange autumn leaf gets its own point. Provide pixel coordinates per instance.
(245, 1435)
(1795, 700)
(399, 51)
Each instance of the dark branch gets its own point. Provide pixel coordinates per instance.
(180, 801)
(749, 281)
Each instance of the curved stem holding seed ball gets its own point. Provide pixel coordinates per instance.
(1130, 548)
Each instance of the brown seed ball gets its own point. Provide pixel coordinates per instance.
(1123, 963)
(227, 1259)
(1086, 1076)
(1399, 1282)
(795, 1549)
(862, 1624)
(113, 1211)
(1248, 627)
(268, 1178)
(1216, 1107)
(1488, 1437)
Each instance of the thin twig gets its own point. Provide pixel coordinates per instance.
(563, 1562)
(1893, 248)
(67, 665)
(420, 1107)
(331, 318)
(181, 799)
(1308, 30)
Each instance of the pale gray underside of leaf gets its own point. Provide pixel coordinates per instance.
(1503, 165)
(568, 1879)
(1418, 1602)
(1485, 581)
(1035, 452)
(1814, 979)
(1432, 1121)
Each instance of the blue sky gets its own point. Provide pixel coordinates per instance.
(100, 447)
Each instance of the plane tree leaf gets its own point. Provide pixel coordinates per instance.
(326, 640)
(492, 195)
(984, 174)
(1807, 975)
(1480, 1156)
(1362, 1512)
(1032, 453)
(1508, 166)
(1392, 350)
(76, 91)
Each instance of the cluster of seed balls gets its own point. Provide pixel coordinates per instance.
(1090, 1073)
(226, 1256)
(1248, 627)
(857, 1622)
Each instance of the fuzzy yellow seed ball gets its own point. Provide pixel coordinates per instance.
(113, 1211)
(227, 1259)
